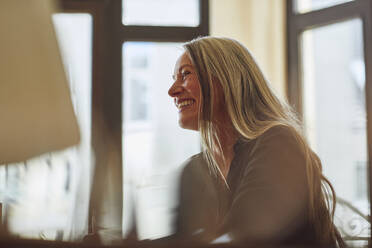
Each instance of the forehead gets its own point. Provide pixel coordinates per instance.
(183, 60)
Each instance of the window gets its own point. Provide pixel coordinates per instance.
(329, 84)
(303, 6)
(184, 13)
(361, 175)
(154, 147)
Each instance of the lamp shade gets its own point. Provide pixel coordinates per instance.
(36, 112)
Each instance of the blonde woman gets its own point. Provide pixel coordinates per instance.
(257, 181)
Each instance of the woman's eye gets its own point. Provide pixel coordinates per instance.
(184, 74)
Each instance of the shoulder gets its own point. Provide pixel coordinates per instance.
(278, 139)
(278, 133)
(276, 150)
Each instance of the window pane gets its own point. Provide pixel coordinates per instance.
(161, 12)
(154, 146)
(303, 6)
(335, 115)
(41, 197)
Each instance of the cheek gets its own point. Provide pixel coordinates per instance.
(195, 89)
(197, 95)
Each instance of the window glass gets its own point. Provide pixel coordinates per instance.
(303, 6)
(154, 146)
(335, 116)
(40, 195)
(161, 12)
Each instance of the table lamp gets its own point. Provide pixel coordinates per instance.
(36, 111)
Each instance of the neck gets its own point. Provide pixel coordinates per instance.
(227, 137)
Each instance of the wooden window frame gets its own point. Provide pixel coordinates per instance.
(297, 23)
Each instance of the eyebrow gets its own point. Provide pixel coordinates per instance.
(180, 69)
(183, 66)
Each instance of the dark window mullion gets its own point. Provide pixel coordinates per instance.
(204, 17)
(149, 33)
(294, 91)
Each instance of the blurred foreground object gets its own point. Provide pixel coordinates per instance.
(35, 105)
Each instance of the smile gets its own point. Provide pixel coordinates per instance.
(184, 104)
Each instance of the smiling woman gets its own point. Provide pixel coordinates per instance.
(257, 180)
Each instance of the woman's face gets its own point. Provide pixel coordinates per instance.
(186, 92)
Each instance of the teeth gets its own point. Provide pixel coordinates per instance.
(185, 103)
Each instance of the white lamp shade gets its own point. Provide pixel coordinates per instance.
(36, 112)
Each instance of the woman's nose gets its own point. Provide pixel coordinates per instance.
(174, 90)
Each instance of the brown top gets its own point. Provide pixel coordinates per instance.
(266, 201)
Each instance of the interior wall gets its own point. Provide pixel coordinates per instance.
(260, 25)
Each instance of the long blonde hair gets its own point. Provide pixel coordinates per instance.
(253, 109)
